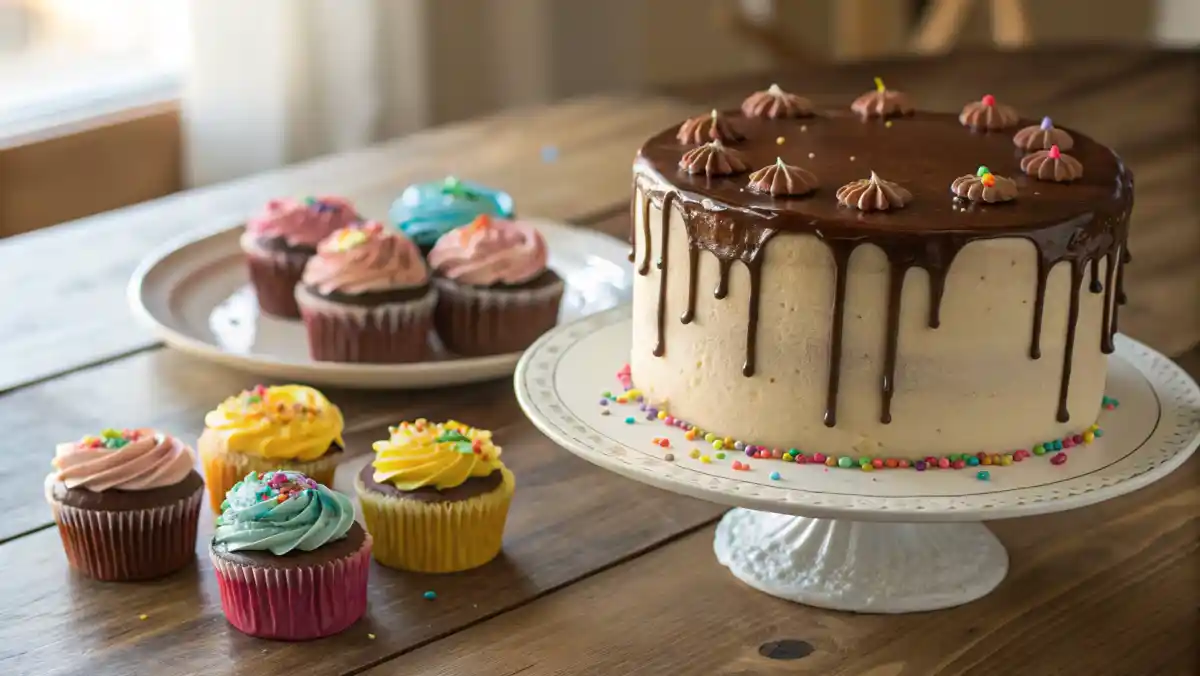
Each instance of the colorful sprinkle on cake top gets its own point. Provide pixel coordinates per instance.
(286, 422)
(280, 512)
(441, 455)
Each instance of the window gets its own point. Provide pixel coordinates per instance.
(62, 61)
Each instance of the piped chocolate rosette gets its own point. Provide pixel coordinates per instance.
(279, 241)
(782, 180)
(262, 429)
(1052, 165)
(1043, 137)
(713, 159)
(436, 497)
(988, 115)
(873, 194)
(126, 503)
(290, 561)
(495, 292)
(984, 186)
(366, 297)
(882, 102)
(705, 128)
(774, 103)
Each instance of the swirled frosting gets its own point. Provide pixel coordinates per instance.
(987, 114)
(426, 211)
(490, 251)
(713, 159)
(302, 223)
(873, 194)
(127, 460)
(280, 512)
(781, 179)
(776, 103)
(441, 455)
(1042, 137)
(882, 102)
(285, 422)
(365, 258)
(1052, 165)
(984, 186)
(705, 128)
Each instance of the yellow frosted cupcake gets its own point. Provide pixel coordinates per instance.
(288, 427)
(436, 497)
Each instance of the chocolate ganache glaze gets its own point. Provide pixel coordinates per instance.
(1078, 223)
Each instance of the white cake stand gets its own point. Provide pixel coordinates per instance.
(890, 541)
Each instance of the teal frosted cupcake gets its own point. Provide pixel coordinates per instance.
(426, 211)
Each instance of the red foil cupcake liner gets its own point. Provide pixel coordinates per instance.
(476, 322)
(295, 604)
(384, 334)
(130, 545)
(275, 276)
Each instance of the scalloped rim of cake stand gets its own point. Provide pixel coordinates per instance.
(550, 374)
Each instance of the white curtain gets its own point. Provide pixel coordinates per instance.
(277, 81)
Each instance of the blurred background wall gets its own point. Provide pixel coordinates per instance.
(105, 103)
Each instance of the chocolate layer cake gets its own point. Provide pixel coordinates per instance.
(876, 279)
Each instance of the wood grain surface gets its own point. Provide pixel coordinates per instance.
(1110, 589)
(600, 575)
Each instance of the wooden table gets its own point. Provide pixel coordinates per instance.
(600, 575)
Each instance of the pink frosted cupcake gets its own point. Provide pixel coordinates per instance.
(291, 563)
(495, 293)
(126, 504)
(366, 297)
(279, 241)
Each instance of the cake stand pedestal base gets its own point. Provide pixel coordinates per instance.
(861, 566)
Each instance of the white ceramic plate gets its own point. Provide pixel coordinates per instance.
(196, 297)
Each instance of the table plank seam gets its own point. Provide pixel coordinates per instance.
(669, 540)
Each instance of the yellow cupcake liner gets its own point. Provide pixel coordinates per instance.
(223, 469)
(437, 537)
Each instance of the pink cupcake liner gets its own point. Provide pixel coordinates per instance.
(295, 604)
(384, 334)
(129, 545)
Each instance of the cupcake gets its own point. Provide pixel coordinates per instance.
(290, 427)
(366, 297)
(426, 211)
(436, 497)
(495, 293)
(126, 504)
(281, 239)
(291, 563)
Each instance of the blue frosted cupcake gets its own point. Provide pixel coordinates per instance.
(426, 211)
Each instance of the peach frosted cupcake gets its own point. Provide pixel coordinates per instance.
(495, 293)
(366, 297)
(126, 503)
(290, 427)
(279, 241)
(436, 497)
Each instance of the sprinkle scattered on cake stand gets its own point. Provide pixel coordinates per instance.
(866, 541)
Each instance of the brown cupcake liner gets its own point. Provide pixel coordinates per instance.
(274, 275)
(389, 333)
(295, 603)
(130, 545)
(475, 321)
